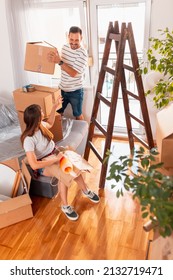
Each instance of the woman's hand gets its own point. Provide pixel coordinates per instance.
(58, 104)
(54, 158)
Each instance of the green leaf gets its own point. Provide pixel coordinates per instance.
(145, 214)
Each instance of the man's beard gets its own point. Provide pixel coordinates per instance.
(74, 46)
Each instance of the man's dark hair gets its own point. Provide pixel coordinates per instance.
(75, 29)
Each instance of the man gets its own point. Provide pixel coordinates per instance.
(73, 62)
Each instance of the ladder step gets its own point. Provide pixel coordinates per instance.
(136, 119)
(114, 36)
(103, 99)
(95, 151)
(131, 94)
(128, 67)
(140, 140)
(99, 126)
(109, 70)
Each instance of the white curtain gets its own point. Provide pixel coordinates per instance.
(38, 20)
(18, 19)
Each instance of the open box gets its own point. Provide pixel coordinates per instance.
(18, 208)
(36, 57)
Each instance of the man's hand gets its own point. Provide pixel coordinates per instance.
(54, 56)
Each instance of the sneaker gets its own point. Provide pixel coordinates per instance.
(70, 213)
(92, 196)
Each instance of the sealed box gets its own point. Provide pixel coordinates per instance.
(164, 135)
(56, 129)
(16, 208)
(23, 100)
(36, 57)
(43, 96)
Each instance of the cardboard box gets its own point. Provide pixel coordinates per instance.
(18, 208)
(36, 57)
(163, 170)
(55, 92)
(161, 248)
(56, 129)
(164, 135)
(43, 96)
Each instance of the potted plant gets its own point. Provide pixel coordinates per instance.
(160, 60)
(153, 189)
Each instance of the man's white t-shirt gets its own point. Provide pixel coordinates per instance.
(77, 59)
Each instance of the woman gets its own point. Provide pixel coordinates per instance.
(42, 155)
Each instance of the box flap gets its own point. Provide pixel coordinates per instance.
(13, 163)
(14, 203)
(38, 42)
(26, 174)
(42, 43)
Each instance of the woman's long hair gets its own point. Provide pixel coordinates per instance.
(32, 119)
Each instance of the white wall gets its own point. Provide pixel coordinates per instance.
(161, 17)
(6, 72)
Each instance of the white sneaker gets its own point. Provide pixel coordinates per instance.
(70, 213)
(92, 196)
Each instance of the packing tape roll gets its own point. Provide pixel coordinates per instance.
(65, 165)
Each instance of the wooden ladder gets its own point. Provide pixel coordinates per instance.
(119, 39)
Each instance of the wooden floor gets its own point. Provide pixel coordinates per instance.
(110, 230)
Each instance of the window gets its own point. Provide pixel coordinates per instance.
(121, 11)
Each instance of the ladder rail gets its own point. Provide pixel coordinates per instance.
(99, 88)
(140, 87)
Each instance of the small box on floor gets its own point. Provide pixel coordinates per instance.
(17, 207)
